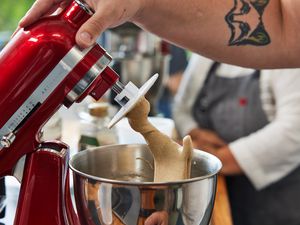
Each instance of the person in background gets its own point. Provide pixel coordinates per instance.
(250, 119)
(178, 63)
(251, 33)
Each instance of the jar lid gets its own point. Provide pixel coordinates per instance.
(98, 109)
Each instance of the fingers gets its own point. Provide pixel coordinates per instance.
(107, 14)
(15, 32)
(38, 9)
(207, 136)
(157, 218)
(230, 164)
(209, 148)
(91, 29)
(152, 220)
(215, 140)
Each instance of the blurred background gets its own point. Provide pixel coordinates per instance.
(11, 12)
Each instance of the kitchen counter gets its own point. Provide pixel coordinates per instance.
(221, 214)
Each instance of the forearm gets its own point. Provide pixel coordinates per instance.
(202, 27)
(270, 28)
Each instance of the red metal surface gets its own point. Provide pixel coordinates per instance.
(72, 216)
(103, 83)
(29, 57)
(32, 54)
(24, 63)
(42, 199)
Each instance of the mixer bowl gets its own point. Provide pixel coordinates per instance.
(113, 185)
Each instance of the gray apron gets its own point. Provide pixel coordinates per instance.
(232, 108)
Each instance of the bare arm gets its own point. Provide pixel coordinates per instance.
(253, 33)
(206, 27)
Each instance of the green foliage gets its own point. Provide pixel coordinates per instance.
(11, 11)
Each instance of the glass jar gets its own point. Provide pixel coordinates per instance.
(93, 127)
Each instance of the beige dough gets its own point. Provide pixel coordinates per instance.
(172, 162)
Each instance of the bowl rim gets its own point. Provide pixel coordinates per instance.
(112, 181)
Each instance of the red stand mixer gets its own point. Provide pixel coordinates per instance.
(41, 70)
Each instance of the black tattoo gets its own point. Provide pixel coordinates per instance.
(241, 32)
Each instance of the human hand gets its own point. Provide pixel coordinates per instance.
(157, 218)
(108, 13)
(230, 164)
(210, 142)
(206, 140)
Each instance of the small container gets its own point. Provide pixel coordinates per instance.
(93, 127)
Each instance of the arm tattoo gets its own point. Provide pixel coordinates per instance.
(241, 32)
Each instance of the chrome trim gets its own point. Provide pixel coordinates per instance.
(89, 78)
(85, 7)
(60, 153)
(44, 90)
(19, 169)
(118, 87)
(7, 140)
(71, 96)
(77, 158)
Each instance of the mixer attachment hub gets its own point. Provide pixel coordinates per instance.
(128, 96)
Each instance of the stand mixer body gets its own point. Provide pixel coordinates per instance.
(41, 70)
(45, 192)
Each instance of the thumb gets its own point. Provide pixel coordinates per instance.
(90, 30)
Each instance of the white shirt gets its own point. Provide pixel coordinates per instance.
(270, 153)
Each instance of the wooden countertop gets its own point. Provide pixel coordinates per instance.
(222, 213)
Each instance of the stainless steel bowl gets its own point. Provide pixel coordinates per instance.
(113, 185)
